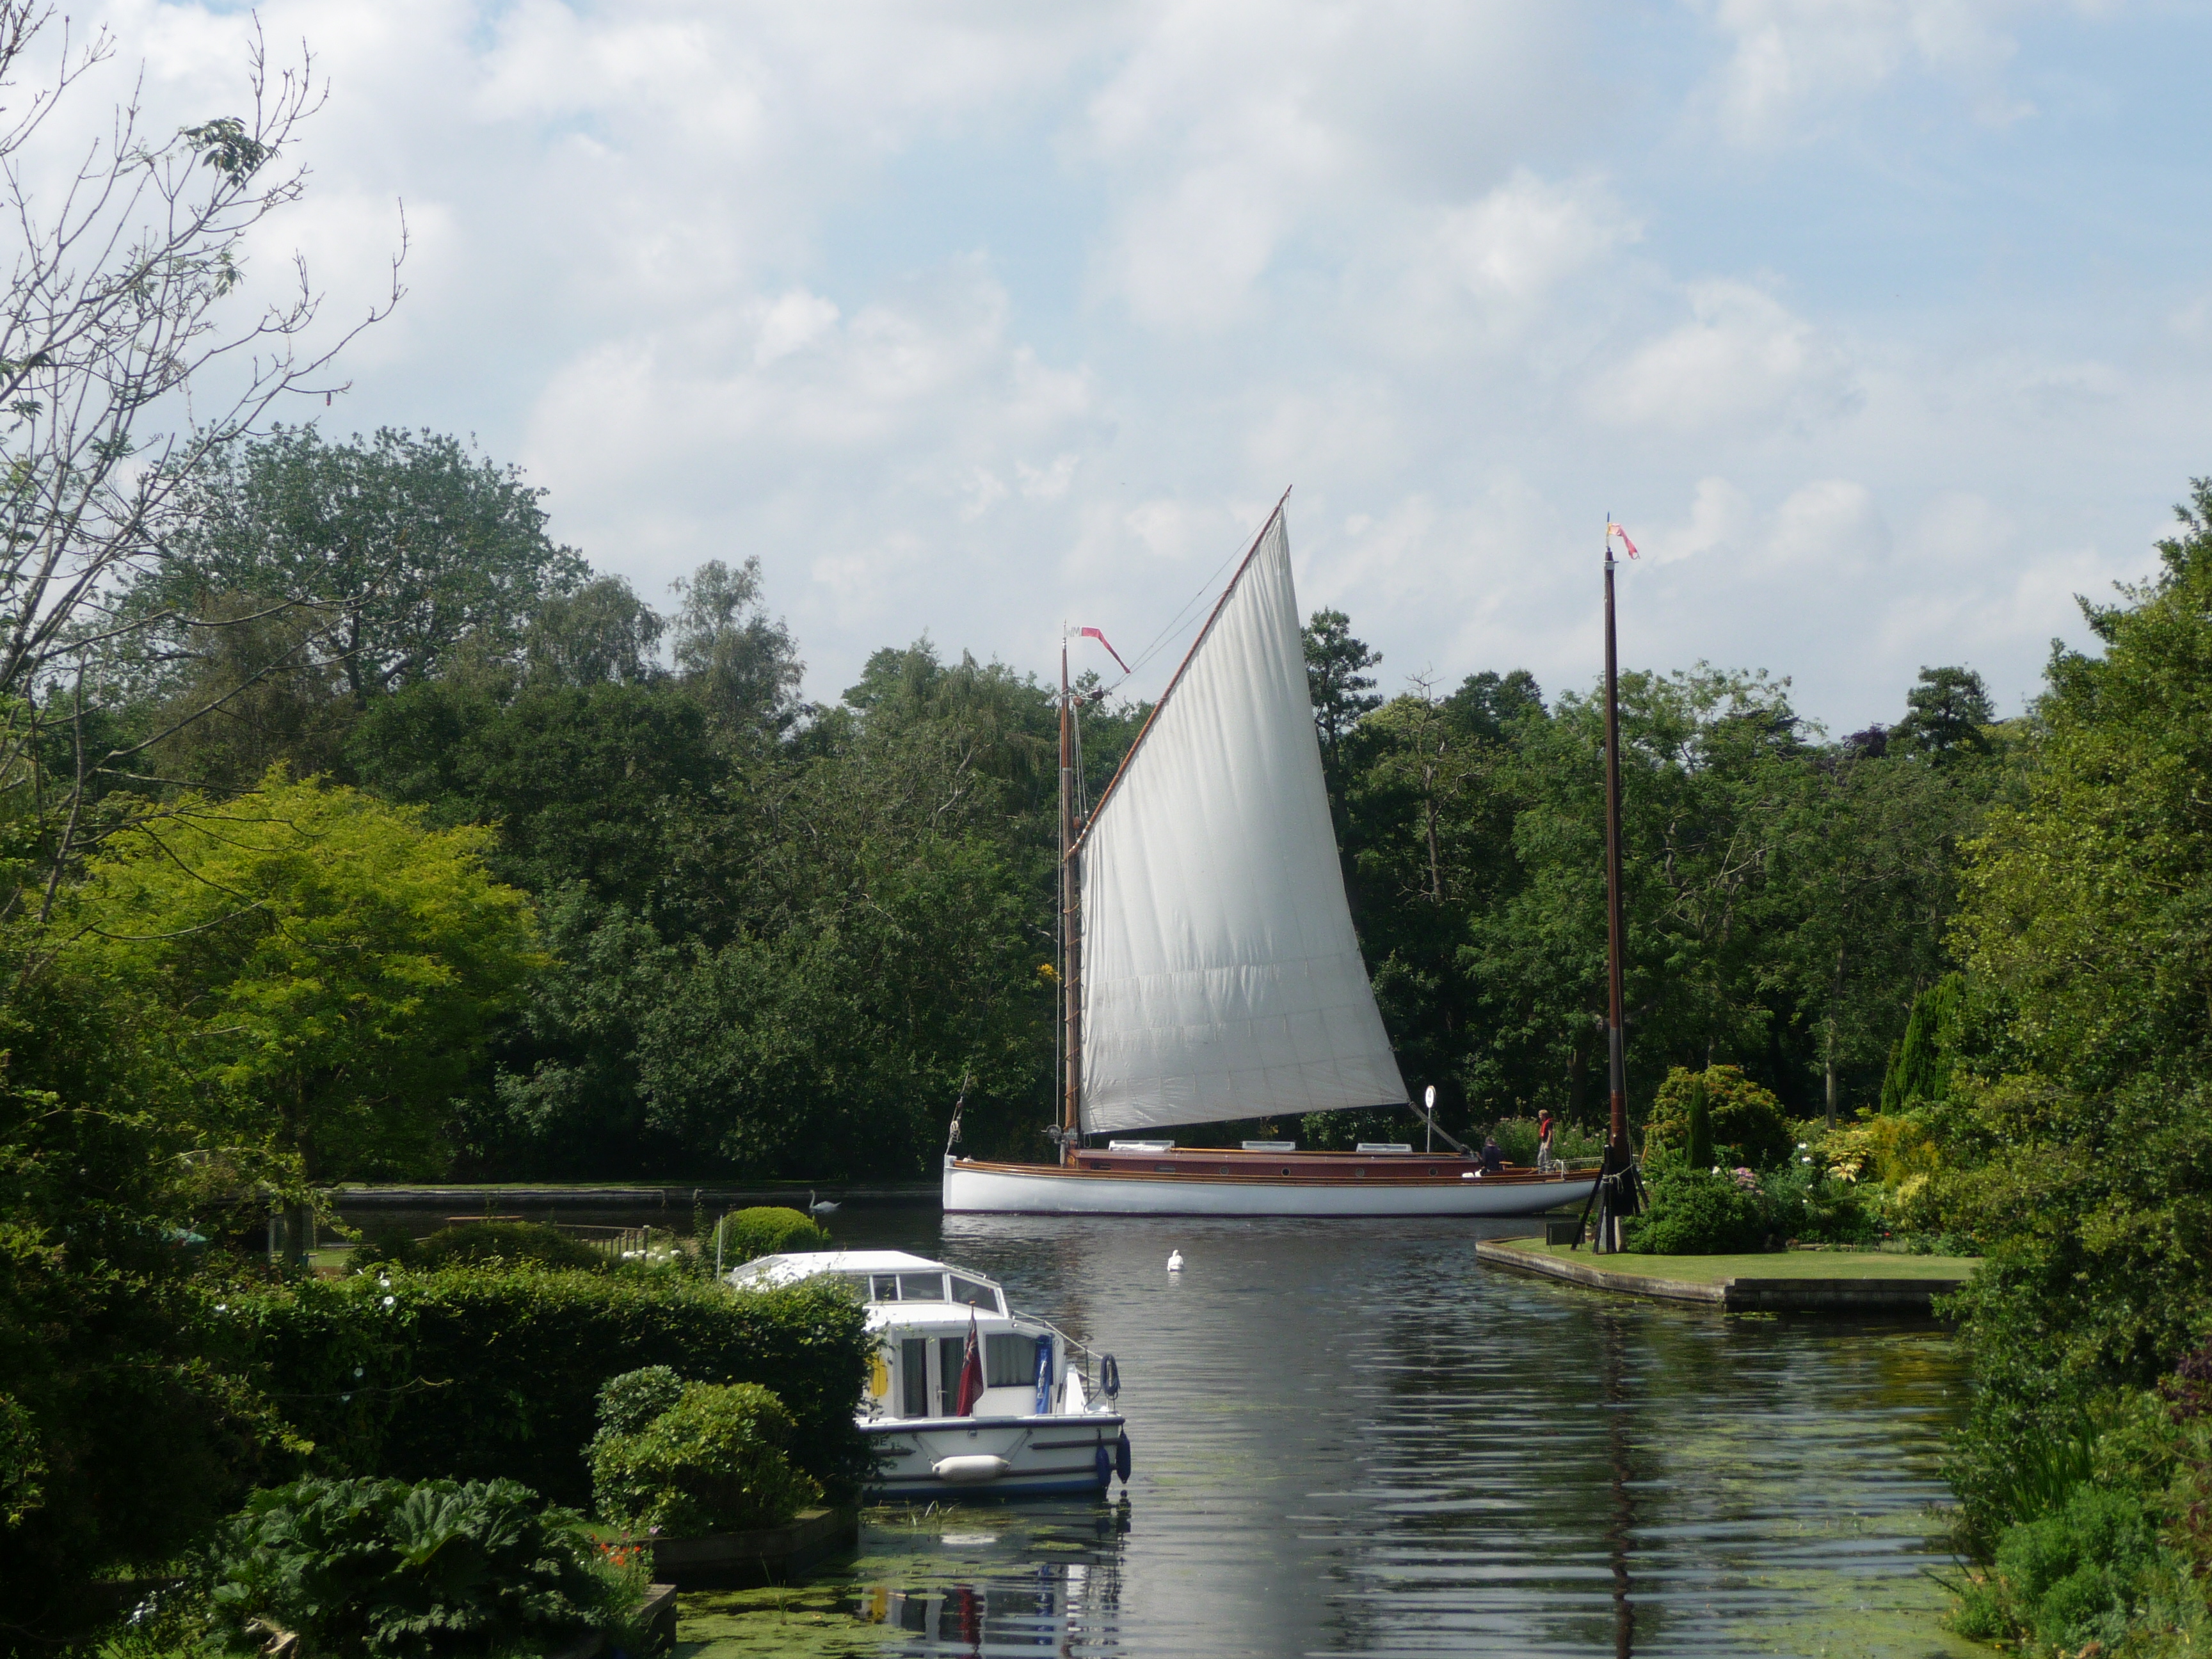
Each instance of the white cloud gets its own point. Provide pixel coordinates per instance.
(1518, 242)
(790, 323)
(1722, 521)
(1744, 356)
(1828, 527)
(1794, 62)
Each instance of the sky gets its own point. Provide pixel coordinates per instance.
(1885, 328)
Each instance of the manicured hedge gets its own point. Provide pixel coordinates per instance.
(769, 1230)
(478, 1373)
(473, 1242)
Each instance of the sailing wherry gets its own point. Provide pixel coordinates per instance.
(1209, 967)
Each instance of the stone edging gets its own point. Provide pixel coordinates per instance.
(733, 1560)
(1736, 1295)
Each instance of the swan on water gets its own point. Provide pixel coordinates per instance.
(1174, 1261)
(818, 1205)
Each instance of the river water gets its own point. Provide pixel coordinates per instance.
(1350, 1438)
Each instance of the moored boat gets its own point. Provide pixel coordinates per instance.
(1209, 967)
(1163, 1179)
(965, 1396)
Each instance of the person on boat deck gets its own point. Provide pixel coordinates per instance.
(1543, 1140)
(1493, 1159)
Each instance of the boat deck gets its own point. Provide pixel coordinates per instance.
(1276, 1169)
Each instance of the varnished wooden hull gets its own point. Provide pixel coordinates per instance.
(1204, 1182)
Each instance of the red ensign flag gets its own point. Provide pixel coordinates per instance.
(1612, 530)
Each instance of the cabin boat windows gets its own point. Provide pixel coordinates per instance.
(1009, 1362)
(930, 1287)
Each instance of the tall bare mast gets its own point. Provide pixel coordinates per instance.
(1620, 1192)
(1071, 925)
(1616, 938)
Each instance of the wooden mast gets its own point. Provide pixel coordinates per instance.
(1071, 920)
(1615, 926)
(1619, 1194)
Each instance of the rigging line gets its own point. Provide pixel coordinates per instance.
(1082, 787)
(1165, 636)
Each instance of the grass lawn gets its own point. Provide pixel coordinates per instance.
(1779, 1264)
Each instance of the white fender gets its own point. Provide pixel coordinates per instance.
(968, 1471)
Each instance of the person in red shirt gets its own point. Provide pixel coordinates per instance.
(1544, 1141)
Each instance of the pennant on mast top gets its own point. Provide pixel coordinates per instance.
(1612, 530)
(1097, 634)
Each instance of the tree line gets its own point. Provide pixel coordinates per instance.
(760, 936)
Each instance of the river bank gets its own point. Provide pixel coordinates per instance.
(469, 1198)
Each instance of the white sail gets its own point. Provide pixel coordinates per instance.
(1221, 978)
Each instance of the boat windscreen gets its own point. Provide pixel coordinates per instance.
(921, 1287)
(970, 1294)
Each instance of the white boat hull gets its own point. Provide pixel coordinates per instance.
(927, 1458)
(971, 1188)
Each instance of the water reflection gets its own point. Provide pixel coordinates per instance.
(1049, 1594)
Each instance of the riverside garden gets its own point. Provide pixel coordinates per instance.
(352, 829)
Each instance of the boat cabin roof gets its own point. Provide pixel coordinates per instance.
(883, 1278)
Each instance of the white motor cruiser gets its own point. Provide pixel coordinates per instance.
(1013, 1414)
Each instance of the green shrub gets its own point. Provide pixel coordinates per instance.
(713, 1461)
(769, 1230)
(1748, 1126)
(629, 1402)
(379, 1567)
(1698, 1133)
(1805, 1202)
(1697, 1213)
(2069, 1577)
(487, 1371)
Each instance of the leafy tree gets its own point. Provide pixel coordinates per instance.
(322, 963)
(584, 782)
(1701, 756)
(743, 667)
(408, 546)
(1865, 874)
(1430, 817)
(1336, 680)
(601, 633)
(2083, 1144)
(1947, 714)
(256, 691)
